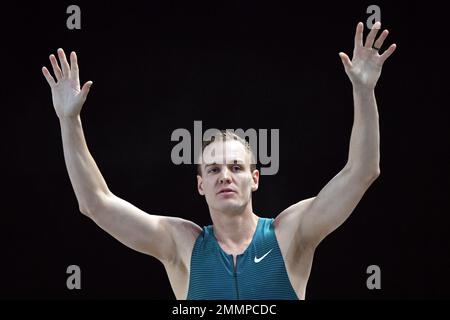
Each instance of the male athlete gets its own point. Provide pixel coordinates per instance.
(241, 255)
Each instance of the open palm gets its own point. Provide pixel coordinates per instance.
(365, 67)
(68, 98)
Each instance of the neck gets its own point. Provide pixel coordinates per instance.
(234, 230)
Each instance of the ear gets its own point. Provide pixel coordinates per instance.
(200, 185)
(255, 180)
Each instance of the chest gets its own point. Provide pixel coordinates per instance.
(257, 272)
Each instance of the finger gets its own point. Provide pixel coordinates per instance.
(345, 60)
(48, 76)
(74, 73)
(64, 64)
(381, 39)
(388, 52)
(359, 35)
(55, 66)
(86, 88)
(372, 34)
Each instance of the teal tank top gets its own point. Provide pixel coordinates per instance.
(260, 272)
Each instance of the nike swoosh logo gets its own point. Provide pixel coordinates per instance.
(259, 259)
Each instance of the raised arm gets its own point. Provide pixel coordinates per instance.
(158, 236)
(313, 219)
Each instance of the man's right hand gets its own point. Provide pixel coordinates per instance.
(68, 98)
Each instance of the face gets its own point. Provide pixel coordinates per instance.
(226, 180)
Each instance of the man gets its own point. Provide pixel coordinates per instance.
(240, 256)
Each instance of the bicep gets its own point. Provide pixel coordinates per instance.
(149, 234)
(333, 205)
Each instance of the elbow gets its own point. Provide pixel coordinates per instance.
(377, 173)
(86, 208)
(84, 211)
(364, 173)
(94, 205)
(373, 175)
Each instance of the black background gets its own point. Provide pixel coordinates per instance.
(158, 66)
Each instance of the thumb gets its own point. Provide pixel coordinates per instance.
(345, 60)
(85, 89)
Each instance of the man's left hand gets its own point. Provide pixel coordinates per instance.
(365, 67)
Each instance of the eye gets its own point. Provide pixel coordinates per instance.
(237, 168)
(213, 170)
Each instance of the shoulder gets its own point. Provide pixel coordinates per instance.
(183, 229)
(290, 218)
(287, 223)
(184, 234)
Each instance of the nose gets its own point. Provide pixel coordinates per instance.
(225, 176)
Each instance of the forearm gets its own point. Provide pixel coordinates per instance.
(364, 151)
(86, 179)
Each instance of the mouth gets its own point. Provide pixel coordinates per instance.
(226, 191)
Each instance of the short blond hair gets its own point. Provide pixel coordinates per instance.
(227, 135)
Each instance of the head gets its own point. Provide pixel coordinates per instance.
(227, 174)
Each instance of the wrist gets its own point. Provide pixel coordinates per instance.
(69, 119)
(358, 88)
